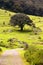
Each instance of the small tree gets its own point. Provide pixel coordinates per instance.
(21, 19)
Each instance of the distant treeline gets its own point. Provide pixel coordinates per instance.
(21, 6)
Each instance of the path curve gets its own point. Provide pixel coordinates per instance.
(11, 57)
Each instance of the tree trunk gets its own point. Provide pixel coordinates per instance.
(21, 28)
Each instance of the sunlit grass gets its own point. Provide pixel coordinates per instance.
(27, 35)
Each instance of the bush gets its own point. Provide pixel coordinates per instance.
(4, 23)
(1, 49)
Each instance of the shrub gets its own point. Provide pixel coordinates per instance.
(4, 23)
(39, 37)
(1, 49)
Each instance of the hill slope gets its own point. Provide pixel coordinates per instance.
(8, 32)
(34, 7)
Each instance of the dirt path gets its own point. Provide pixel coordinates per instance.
(11, 57)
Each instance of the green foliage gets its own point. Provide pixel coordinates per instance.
(23, 6)
(21, 19)
(0, 49)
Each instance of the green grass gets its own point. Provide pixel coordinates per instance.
(27, 35)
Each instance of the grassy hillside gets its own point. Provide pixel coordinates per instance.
(8, 32)
(11, 37)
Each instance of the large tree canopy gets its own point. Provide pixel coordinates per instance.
(21, 19)
(33, 7)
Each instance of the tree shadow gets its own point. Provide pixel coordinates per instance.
(24, 31)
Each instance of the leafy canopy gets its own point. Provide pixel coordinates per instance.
(21, 19)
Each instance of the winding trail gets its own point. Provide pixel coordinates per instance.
(11, 57)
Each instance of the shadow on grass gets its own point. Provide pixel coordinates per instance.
(24, 31)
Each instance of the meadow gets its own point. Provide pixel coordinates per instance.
(8, 33)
